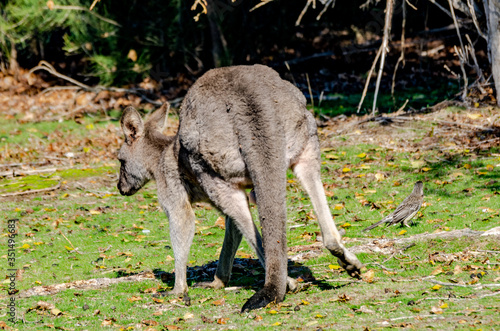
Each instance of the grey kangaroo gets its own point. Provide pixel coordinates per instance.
(239, 127)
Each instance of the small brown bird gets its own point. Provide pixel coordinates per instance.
(406, 210)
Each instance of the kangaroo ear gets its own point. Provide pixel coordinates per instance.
(159, 119)
(165, 109)
(132, 124)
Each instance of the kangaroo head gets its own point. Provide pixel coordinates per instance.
(140, 153)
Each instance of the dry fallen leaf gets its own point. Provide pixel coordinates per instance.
(368, 276)
(437, 271)
(436, 287)
(436, 310)
(379, 176)
(221, 223)
(219, 302)
(134, 298)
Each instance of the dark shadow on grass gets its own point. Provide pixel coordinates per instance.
(247, 273)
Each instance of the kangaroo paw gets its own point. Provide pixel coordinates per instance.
(346, 260)
(215, 284)
(261, 299)
(291, 284)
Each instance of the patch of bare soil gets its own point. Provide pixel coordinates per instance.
(446, 126)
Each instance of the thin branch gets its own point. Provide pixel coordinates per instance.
(260, 4)
(476, 286)
(325, 8)
(67, 239)
(474, 19)
(44, 65)
(310, 90)
(48, 189)
(441, 7)
(309, 2)
(411, 5)
(456, 24)
(93, 4)
(381, 266)
(402, 55)
(462, 57)
(365, 89)
(385, 48)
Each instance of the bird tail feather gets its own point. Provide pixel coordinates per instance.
(373, 226)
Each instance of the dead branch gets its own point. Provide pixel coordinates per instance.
(67, 239)
(365, 89)
(309, 2)
(260, 4)
(402, 55)
(44, 65)
(48, 189)
(487, 251)
(328, 2)
(441, 7)
(475, 286)
(385, 49)
(15, 173)
(375, 245)
(474, 19)
(381, 266)
(93, 4)
(89, 284)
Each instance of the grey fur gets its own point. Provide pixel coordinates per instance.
(240, 127)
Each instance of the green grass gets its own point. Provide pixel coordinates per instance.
(363, 183)
(337, 104)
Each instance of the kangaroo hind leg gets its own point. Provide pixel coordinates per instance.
(307, 170)
(232, 240)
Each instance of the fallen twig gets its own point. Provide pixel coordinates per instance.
(476, 286)
(67, 239)
(381, 266)
(89, 284)
(15, 173)
(48, 189)
(487, 251)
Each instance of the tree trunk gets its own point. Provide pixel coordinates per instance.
(492, 9)
(13, 65)
(219, 44)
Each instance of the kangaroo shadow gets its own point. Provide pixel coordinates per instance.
(246, 273)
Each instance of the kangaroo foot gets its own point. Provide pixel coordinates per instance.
(261, 299)
(346, 260)
(291, 284)
(215, 284)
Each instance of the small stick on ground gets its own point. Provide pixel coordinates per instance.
(67, 240)
(48, 189)
(477, 286)
(381, 266)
